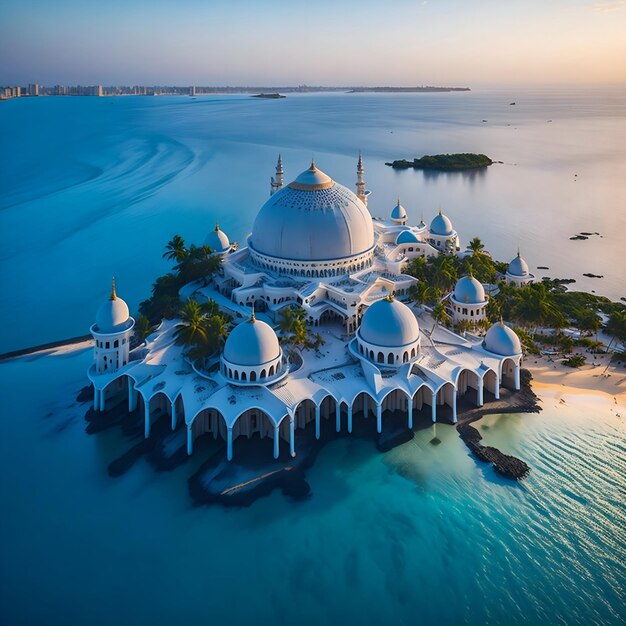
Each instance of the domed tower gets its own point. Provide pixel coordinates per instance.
(217, 240)
(398, 214)
(503, 341)
(517, 273)
(442, 235)
(111, 333)
(468, 301)
(252, 354)
(389, 334)
(312, 228)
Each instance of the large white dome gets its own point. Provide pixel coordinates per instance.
(113, 315)
(502, 340)
(252, 343)
(441, 225)
(518, 267)
(313, 219)
(469, 290)
(390, 324)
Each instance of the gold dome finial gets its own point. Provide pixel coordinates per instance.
(113, 295)
(398, 201)
(217, 225)
(313, 166)
(252, 318)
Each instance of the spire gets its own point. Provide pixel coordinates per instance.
(277, 183)
(398, 201)
(313, 166)
(518, 254)
(113, 295)
(252, 318)
(360, 181)
(439, 210)
(217, 225)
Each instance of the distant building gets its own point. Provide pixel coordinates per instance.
(33, 89)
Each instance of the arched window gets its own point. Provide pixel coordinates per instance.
(263, 373)
(381, 357)
(236, 374)
(243, 376)
(390, 358)
(405, 357)
(252, 376)
(271, 373)
(412, 352)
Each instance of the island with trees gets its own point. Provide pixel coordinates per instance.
(444, 162)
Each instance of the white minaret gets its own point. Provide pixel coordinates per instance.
(360, 182)
(111, 333)
(277, 183)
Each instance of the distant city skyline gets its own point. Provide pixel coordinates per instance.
(282, 42)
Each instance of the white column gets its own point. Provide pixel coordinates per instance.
(317, 421)
(276, 442)
(454, 394)
(134, 397)
(410, 424)
(174, 416)
(338, 416)
(189, 439)
(102, 400)
(379, 417)
(229, 444)
(517, 377)
(433, 408)
(146, 431)
(350, 419)
(292, 443)
(496, 391)
(481, 384)
(96, 399)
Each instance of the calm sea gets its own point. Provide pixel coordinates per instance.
(91, 187)
(422, 535)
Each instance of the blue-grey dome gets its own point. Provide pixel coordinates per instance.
(217, 240)
(502, 340)
(389, 323)
(252, 343)
(113, 315)
(313, 219)
(398, 212)
(469, 290)
(406, 236)
(441, 225)
(518, 267)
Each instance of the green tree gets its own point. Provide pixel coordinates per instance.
(175, 249)
(440, 314)
(476, 246)
(143, 328)
(192, 329)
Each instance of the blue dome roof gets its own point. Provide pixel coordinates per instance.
(502, 340)
(441, 225)
(518, 267)
(469, 290)
(406, 236)
(389, 323)
(252, 343)
(313, 219)
(398, 212)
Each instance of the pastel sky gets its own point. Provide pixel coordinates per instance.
(327, 42)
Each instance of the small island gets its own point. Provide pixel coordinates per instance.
(445, 162)
(428, 89)
(269, 96)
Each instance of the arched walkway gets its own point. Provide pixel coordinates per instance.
(469, 385)
(394, 404)
(491, 384)
(157, 407)
(511, 374)
(446, 396)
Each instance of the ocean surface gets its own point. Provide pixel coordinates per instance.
(92, 187)
(95, 187)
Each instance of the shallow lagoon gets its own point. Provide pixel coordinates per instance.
(423, 533)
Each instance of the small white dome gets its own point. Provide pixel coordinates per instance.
(469, 290)
(406, 236)
(390, 324)
(502, 340)
(441, 225)
(312, 179)
(217, 240)
(398, 212)
(252, 343)
(518, 267)
(113, 315)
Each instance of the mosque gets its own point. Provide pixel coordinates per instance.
(313, 245)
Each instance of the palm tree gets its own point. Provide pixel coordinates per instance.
(440, 314)
(192, 329)
(175, 249)
(143, 328)
(476, 246)
(217, 332)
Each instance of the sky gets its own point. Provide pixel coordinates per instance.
(316, 42)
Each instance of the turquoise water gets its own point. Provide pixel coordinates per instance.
(423, 534)
(95, 186)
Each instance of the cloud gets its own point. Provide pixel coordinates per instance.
(604, 6)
